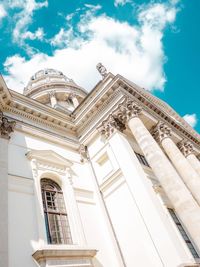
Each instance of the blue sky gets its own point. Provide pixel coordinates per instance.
(153, 43)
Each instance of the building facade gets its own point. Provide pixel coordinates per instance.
(105, 179)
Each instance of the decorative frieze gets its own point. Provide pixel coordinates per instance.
(186, 147)
(160, 132)
(6, 127)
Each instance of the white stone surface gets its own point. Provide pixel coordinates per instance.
(183, 167)
(3, 202)
(183, 202)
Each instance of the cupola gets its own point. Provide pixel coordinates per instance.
(51, 87)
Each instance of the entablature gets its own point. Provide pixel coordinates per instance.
(101, 101)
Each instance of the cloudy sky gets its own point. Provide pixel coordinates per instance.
(156, 44)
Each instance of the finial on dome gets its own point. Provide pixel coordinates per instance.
(102, 70)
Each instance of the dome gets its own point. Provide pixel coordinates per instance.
(51, 87)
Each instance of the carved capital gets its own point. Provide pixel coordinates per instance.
(108, 126)
(160, 132)
(186, 147)
(6, 127)
(83, 151)
(127, 110)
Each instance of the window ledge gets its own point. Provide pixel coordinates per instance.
(190, 265)
(64, 255)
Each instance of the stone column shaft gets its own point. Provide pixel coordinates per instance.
(194, 162)
(184, 168)
(6, 127)
(3, 202)
(180, 197)
(185, 206)
(187, 149)
(190, 177)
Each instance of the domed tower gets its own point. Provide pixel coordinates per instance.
(53, 88)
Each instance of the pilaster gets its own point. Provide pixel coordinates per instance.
(6, 128)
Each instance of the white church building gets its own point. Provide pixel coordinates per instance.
(109, 178)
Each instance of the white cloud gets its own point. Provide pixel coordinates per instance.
(39, 35)
(133, 51)
(2, 12)
(191, 119)
(63, 37)
(121, 2)
(24, 18)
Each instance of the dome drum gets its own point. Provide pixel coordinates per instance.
(53, 88)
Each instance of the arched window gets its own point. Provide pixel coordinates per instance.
(56, 220)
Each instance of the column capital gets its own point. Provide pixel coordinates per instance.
(186, 147)
(160, 131)
(111, 124)
(83, 151)
(127, 110)
(6, 127)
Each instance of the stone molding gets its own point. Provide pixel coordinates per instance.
(48, 160)
(64, 256)
(118, 118)
(21, 105)
(186, 147)
(6, 127)
(161, 131)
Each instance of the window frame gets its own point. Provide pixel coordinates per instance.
(55, 216)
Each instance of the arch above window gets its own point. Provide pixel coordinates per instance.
(56, 219)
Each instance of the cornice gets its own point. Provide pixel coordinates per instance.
(84, 120)
(5, 96)
(62, 88)
(152, 105)
(39, 113)
(93, 98)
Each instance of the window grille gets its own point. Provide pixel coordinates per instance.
(183, 233)
(142, 159)
(56, 220)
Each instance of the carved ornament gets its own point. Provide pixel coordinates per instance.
(102, 70)
(6, 127)
(160, 132)
(108, 126)
(83, 151)
(118, 119)
(127, 110)
(186, 147)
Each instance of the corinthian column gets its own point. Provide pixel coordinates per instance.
(188, 151)
(191, 178)
(6, 128)
(186, 207)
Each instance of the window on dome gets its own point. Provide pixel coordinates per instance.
(56, 219)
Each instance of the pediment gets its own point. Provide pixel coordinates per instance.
(5, 96)
(49, 156)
